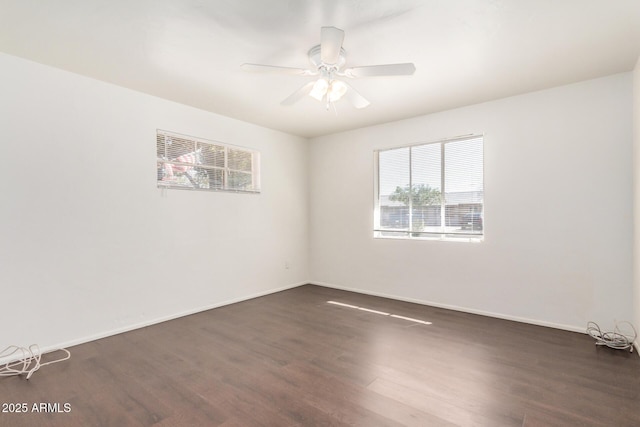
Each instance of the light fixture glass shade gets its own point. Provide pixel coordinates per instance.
(319, 89)
(336, 90)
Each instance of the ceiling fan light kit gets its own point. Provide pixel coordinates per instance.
(328, 58)
(319, 89)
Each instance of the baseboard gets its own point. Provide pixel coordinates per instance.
(455, 308)
(150, 322)
(127, 328)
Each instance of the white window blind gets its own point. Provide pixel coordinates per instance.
(431, 190)
(193, 163)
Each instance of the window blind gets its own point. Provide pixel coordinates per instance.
(194, 163)
(431, 189)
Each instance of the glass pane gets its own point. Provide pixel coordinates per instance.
(211, 154)
(426, 167)
(240, 181)
(464, 186)
(178, 175)
(216, 178)
(180, 150)
(393, 174)
(160, 171)
(160, 146)
(239, 160)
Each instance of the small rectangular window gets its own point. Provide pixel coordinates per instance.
(431, 190)
(197, 164)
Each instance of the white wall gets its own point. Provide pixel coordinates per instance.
(636, 195)
(558, 201)
(89, 246)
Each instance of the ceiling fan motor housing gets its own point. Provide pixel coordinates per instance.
(314, 58)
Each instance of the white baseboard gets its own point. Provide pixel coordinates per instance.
(150, 322)
(456, 308)
(131, 327)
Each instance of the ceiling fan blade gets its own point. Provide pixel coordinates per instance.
(405, 69)
(298, 94)
(330, 44)
(355, 98)
(272, 69)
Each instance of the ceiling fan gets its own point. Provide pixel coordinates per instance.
(328, 59)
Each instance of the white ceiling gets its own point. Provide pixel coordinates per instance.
(190, 51)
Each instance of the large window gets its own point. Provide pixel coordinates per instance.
(431, 190)
(193, 163)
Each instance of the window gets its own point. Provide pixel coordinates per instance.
(193, 163)
(431, 190)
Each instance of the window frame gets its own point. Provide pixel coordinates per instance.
(225, 168)
(408, 233)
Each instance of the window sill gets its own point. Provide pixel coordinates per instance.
(440, 238)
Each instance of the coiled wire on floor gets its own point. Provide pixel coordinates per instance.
(26, 360)
(616, 339)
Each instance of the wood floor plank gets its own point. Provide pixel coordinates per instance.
(294, 359)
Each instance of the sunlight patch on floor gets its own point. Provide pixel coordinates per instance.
(368, 310)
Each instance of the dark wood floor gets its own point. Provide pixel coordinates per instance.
(291, 358)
